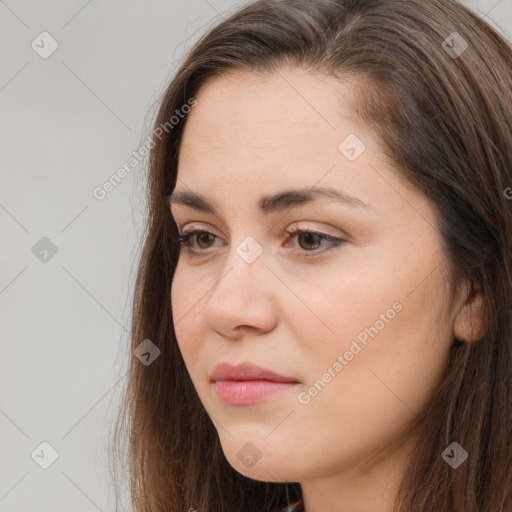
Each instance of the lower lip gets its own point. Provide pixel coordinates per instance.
(248, 392)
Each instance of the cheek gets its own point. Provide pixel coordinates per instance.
(383, 364)
(332, 309)
(186, 312)
(372, 343)
(375, 296)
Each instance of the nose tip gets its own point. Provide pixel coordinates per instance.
(240, 303)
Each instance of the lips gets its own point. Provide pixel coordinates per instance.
(246, 372)
(248, 384)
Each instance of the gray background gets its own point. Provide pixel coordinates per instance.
(67, 123)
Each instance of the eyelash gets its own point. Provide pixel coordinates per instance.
(184, 241)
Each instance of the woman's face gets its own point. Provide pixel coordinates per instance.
(361, 326)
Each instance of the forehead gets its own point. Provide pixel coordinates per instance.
(281, 125)
(251, 136)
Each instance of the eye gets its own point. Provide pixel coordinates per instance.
(308, 240)
(311, 240)
(203, 236)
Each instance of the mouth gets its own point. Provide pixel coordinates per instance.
(249, 392)
(248, 384)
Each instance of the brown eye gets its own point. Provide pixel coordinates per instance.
(309, 239)
(204, 237)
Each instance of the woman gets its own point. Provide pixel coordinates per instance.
(327, 268)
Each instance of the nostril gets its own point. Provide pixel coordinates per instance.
(243, 329)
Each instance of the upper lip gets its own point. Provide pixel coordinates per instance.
(246, 371)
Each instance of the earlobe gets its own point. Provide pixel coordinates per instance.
(469, 321)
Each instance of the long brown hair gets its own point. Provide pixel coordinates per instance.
(435, 82)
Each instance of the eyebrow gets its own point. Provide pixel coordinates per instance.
(270, 204)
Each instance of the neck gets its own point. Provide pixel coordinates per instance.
(371, 486)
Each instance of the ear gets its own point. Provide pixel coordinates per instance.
(468, 323)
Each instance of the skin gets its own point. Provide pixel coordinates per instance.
(252, 135)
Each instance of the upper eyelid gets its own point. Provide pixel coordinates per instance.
(294, 227)
(186, 208)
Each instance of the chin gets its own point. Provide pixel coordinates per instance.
(263, 464)
(263, 472)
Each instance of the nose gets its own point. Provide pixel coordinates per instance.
(242, 300)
